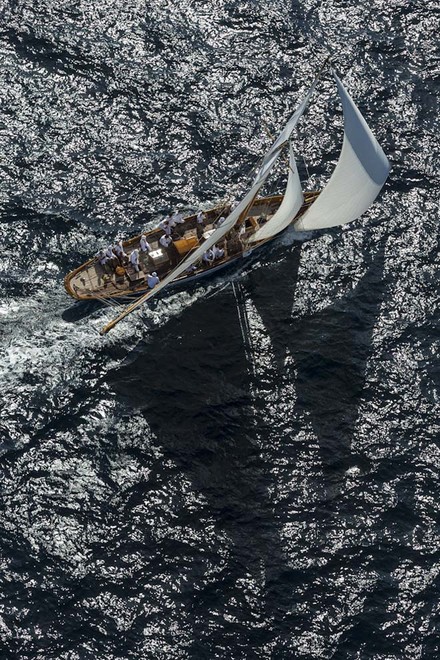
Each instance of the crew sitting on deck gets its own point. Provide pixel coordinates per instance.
(152, 280)
(165, 241)
(134, 260)
(220, 221)
(166, 226)
(208, 257)
(145, 246)
(200, 218)
(217, 252)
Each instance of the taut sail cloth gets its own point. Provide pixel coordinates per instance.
(267, 164)
(289, 207)
(359, 175)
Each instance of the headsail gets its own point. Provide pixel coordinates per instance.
(359, 175)
(266, 166)
(289, 207)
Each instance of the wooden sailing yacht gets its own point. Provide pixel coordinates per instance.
(360, 173)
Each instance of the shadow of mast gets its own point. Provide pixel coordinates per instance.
(330, 350)
(191, 382)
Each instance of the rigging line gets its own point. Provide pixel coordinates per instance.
(314, 83)
(285, 158)
(244, 325)
(306, 167)
(110, 302)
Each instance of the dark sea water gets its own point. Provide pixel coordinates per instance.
(249, 468)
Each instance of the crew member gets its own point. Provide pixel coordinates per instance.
(145, 246)
(134, 260)
(100, 255)
(220, 221)
(217, 252)
(208, 257)
(111, 256)
(118, 249)
(200, 218)
(177, 218)
(165, 240)
(152, 280)
(166, 226)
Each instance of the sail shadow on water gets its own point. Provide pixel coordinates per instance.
(329, 350)
(191, 382)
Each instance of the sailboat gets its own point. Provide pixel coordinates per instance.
(236, 232)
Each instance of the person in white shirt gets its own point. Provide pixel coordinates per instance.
(101, 256)
(167, 226)
(134, 260)
(152, 280)
(220, 221)
(200, 218)
(208, 256)
(177, 218)
(110, 254)
(217, 252)
(118, 249)
(234, 204)
(165, 240)
(145, 246)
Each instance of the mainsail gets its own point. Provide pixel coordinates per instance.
(359, 175)
(289, 207)
(266, 166)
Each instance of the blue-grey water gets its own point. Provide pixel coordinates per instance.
(249, 468)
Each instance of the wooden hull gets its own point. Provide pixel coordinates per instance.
(92, 281)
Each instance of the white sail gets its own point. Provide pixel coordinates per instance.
(266, 166)
(289, 207)
(359, 175)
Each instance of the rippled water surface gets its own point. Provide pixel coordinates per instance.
(249, 468)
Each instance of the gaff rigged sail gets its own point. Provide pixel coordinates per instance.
(359, 175)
